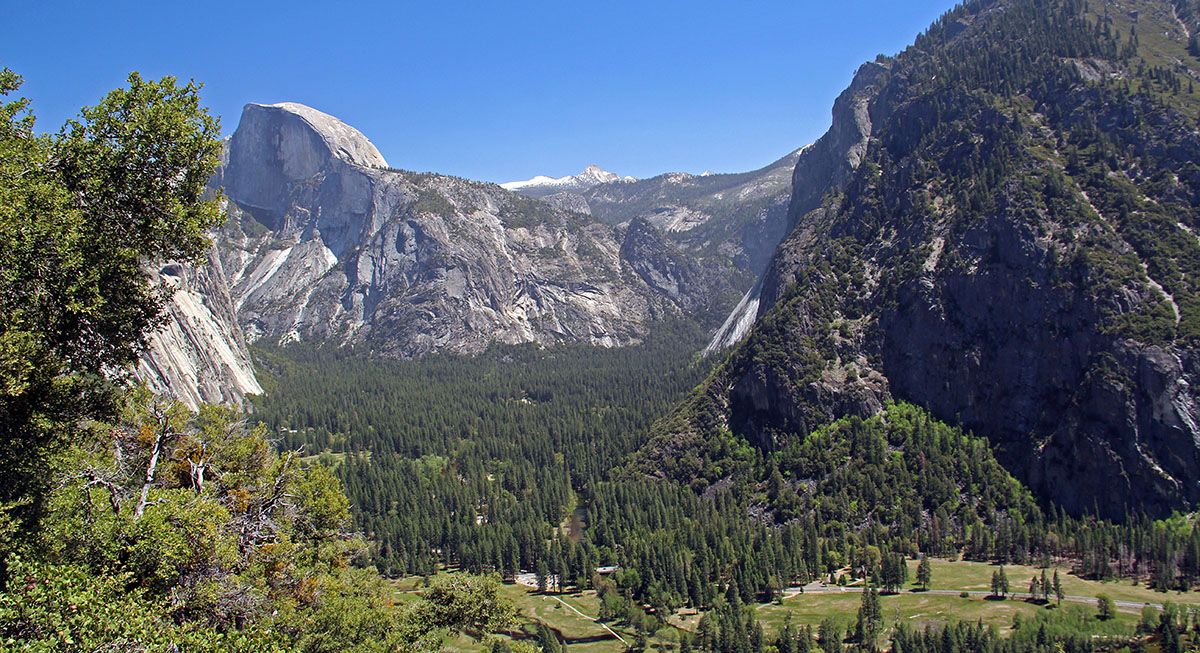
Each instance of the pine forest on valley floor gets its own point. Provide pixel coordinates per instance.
(927, 384)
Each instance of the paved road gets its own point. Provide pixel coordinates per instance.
(817, 588)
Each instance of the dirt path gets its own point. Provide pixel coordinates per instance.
(593, 619)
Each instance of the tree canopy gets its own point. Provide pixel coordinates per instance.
(82, 213)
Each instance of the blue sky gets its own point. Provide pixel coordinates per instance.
(487, 90)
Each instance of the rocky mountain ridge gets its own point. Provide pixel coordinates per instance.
(333, 250)
(327, 244)
(727, 222)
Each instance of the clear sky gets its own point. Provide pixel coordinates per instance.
(492, 89)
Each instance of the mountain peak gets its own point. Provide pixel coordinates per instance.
(344, 142)
(597, 173)
(276, 144)
(593, 175)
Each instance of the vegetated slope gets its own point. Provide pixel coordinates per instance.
(510, 444)
(1012, 245)
(900, 481)
(327, 244)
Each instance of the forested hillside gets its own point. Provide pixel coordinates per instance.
(1015, 251)
(993, 169)
(976, 351)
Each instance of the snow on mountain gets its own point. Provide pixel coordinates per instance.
(591, 176)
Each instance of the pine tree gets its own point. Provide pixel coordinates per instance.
(706, 636)
(1105, 608)
(829, 636)
(1168, 632)
(804, 640)
(548, 640)
(786, 642)
(542, 576)
(870, 619)
(924, 572)
(757, 638)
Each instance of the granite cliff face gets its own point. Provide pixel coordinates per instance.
(819, 169)
(325, 243)
(199, 355)
(1014, 250)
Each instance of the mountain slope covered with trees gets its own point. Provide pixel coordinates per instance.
(977, 341)
(1014, 249)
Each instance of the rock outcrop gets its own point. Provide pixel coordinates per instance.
(199, 354)
(728, 222)
(667, 270)
(820, 169)
(327, 244)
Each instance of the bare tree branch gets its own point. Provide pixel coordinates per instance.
(161, 414)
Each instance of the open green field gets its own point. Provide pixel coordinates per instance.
(581, 633)
(917, 608)
(977, 577)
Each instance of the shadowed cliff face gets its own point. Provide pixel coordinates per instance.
(729, 224)
(325, 243)
(820, 168)
(733, 220)
(1014, 252)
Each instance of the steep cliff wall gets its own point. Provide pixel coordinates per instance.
(199, 355)
(327, 244)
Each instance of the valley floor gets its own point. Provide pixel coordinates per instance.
(572, 614)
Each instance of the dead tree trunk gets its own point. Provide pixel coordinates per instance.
(161, 434)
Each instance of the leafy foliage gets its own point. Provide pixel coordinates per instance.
(80, 214)
(127, 522)
(1067, 630)
(199, 532)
